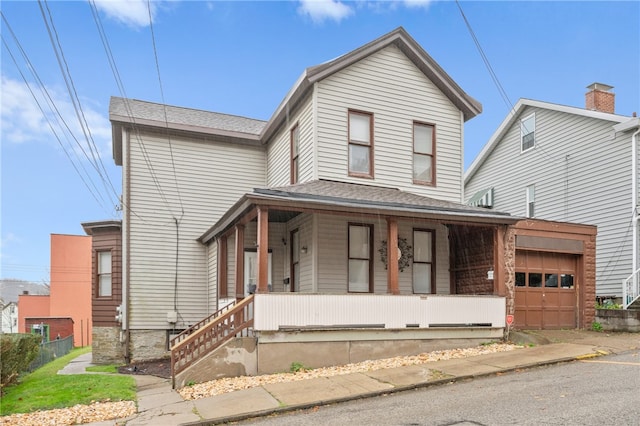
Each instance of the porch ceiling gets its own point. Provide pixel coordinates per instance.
(330, 197)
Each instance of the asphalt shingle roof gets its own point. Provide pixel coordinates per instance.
(131, 110)
(329, 191)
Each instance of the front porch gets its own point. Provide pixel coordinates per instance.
(328, 272)
(266, 333)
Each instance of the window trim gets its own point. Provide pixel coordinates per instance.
(530, 206)
(294, 160)
(433, 258)
(370, 259)
(432, 155)
(99, 274)
(522, 134)
(370, 174)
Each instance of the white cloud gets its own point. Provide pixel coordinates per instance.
(319, 10)
(22, 121)
(417, 3)
(134, 13)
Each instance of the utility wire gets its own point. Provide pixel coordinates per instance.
(164, 106)
(73, 95)
(501, 91)
(4, 42)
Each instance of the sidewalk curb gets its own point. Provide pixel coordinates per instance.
(424, 385)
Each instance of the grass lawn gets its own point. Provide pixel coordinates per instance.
(44, 389)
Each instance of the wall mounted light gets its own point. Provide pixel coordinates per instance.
(303, 250)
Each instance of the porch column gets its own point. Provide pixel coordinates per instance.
(499, 287)
(239, 262)
(263, 250)
(392, 256)
(223, 282)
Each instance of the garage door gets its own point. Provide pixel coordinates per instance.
(545, 290)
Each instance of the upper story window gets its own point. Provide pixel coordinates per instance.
(424, 153)
(531, 201)
(360, 144)
(295, 151)
(104, 274)
(528, 132)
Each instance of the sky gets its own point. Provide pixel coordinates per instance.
(241, 58)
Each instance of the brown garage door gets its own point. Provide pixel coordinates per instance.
(545, 290)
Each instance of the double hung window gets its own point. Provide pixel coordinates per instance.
(295, 145)
(528, 132)
(104, 274)
(360, 258)
(423, 261)
(423, 153)
(360, 144)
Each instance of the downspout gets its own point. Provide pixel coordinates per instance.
(126, 260)
(634, 203)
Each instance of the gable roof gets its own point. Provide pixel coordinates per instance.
(401, 39)
(224, 126)
(514, 115)
(335, 196)
(174, 118)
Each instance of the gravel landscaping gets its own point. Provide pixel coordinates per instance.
(102, 411)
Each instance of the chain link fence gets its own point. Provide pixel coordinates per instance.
(52, 350)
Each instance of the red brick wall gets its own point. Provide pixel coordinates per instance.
(472, 258)
(62, 326)
(599, 100)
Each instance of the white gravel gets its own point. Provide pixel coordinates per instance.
(101, 411)
(220, 386)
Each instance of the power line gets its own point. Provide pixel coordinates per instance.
(164, 105)
(501, 91)
(4, 42)
(75, 101)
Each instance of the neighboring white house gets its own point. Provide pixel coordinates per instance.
(9, 317)
(563, 163)
(343, 211)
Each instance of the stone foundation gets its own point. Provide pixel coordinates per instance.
(618, 319)
(147, 345)
(106, 347)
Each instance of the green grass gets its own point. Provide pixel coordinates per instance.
(44, 389)
(112, 368)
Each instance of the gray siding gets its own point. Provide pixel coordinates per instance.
(279, 148)
(333, 254)
(582, 174)
(211, 177)
(388, 85)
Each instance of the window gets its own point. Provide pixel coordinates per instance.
(528, 132)
(531, 201)
(360, 144)
(423, 262)
(360, 255)
(295, 260)
(423, 153)
(295, 144)
(104, 274)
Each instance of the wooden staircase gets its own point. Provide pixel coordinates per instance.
(234, 320)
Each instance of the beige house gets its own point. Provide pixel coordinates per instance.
(331, 233)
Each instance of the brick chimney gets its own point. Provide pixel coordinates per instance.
(600, 98)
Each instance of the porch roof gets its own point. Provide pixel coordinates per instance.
(349, 198)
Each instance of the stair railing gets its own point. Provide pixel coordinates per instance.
(631, 289)
(233, 322)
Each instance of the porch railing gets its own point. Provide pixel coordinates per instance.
(186, 333)
(631, 289)
(234, 321)
(278, 311)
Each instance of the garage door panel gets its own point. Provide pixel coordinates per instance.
(551, 305)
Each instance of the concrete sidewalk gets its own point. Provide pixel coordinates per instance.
(158, 404)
